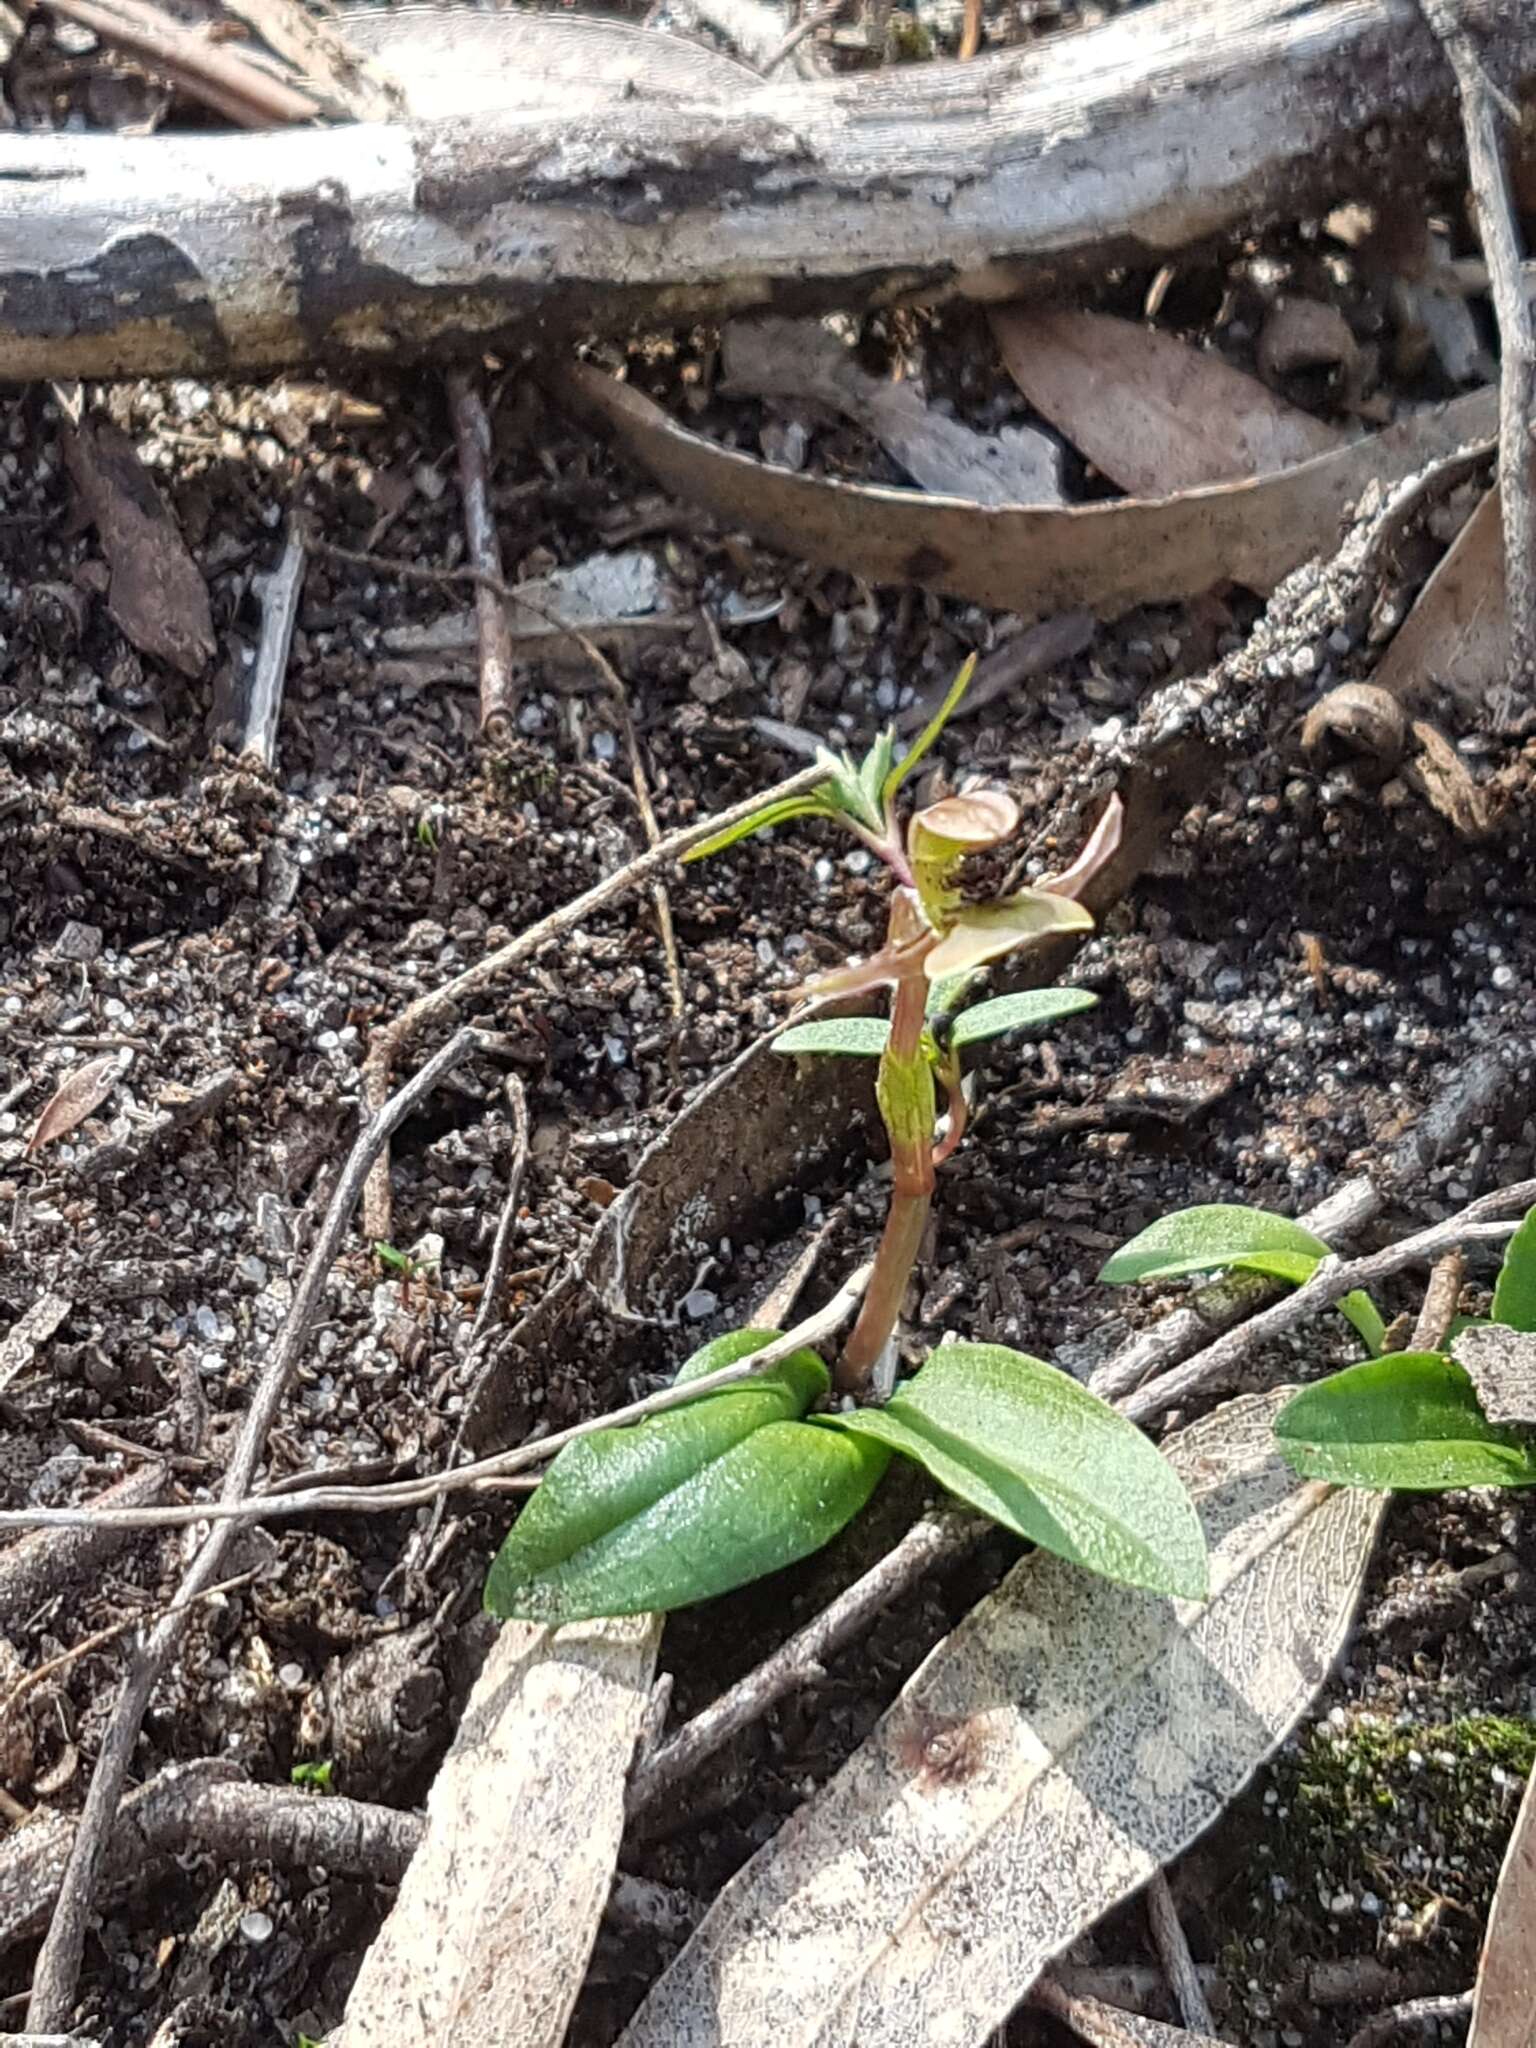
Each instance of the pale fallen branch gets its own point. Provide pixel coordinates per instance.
(581, 208)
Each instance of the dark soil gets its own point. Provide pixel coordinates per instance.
(1308, 964)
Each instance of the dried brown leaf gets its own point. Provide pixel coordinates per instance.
(1069, 1739)
(1501, 1365)
(1456, 638)
(778, 358)
(158, 596)
(1444, 780)
(1152, 413)
(488, 1940)
(73, 1100)
(1032, 559)
(1504, 2012)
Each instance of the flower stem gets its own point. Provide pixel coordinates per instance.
(906, 1098)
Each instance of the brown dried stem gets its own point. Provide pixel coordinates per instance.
(472, 438)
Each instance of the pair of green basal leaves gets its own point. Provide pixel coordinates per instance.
(742, 1482)
(1401, 1421)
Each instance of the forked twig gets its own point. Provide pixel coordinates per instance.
(1172, 1946)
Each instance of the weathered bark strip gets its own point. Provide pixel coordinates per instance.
(591, 213)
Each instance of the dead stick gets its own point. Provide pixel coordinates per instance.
(1439, 1308)
(1172, 1946)
(37, 1566)
(1103, 2026)
(472, 438)
(1483, 109)
(386, 1045)
(1416, 2015)
(220, 76)
(58, 1962)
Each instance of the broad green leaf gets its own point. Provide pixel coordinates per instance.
(1040, 1454)
(930, 732)
(946, 996)
(1408, 1422)
(836, 1034)
(1028, 1011)
(1514, 1294)
(988, 930)
(812, 804)
(602, 1482)
(770, 1499)
(1200, 1240)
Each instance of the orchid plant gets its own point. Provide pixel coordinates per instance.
(747, 1479)
(936, 941)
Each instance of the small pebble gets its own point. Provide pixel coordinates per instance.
(699, 1304)
(256, 1927)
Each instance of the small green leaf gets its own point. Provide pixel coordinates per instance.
(1514, 1294)
(930, 732)
(836, 1034)
(313, 1777)
(770, 1499)
(1028, 1011)
(1225, 1236)
(812, 804)
(1040, 1454)
(681, 1506)
(395, 1261)
(1201, 1240)
(1408, 1422)
(946, 996)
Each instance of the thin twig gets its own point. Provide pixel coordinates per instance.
(58, 1962)
(472, 437)
(280, 593)
(506, 1229)
(390, 1495)
(1332, 1279)
(30, 1680)
(388, 1043)
(1101, 2025)
(642, 789)
(1439, 1306)
(935, 1540)
(1483, 109)
(1414, 2014)
(220, 75)
(1172, 1946)
(818, 18)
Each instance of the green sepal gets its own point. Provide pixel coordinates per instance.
(1024, 1012)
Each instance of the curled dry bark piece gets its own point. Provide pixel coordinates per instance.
(1067, 1740)
(598, 205)
(1032, 559)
